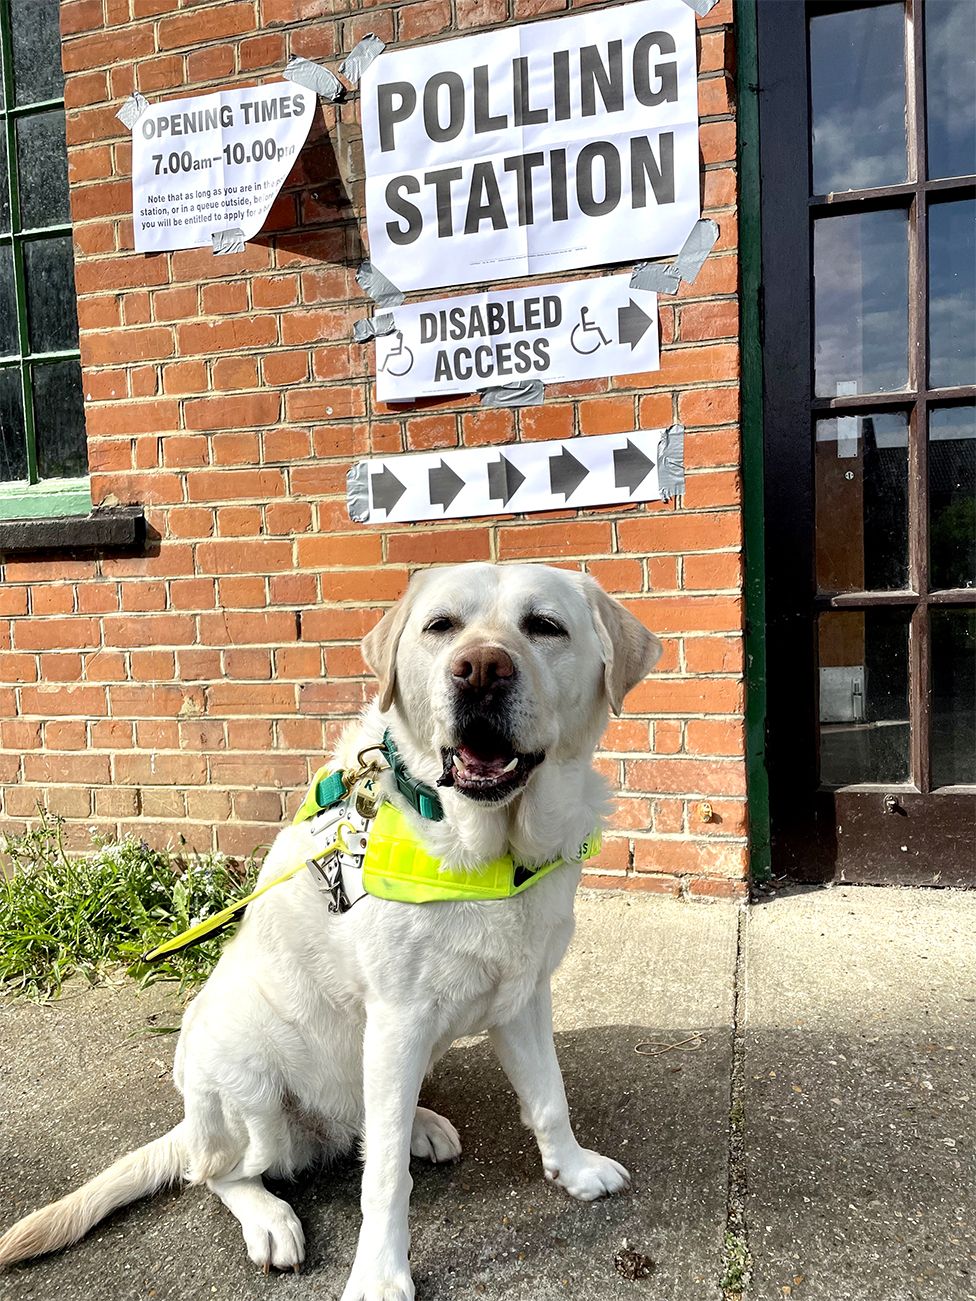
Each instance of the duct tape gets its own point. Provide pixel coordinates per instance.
(370, 327)
(655, 275)
(357, 492)
(303, 72)
(701, 7)
(666, 277)
(671, 461)
(229, 240)
(132, 110)
(696, 249)
(520, 393)
(382, 291)
(358, 60)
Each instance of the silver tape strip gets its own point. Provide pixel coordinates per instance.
(382, 291)
(671, 462)
(521, 393)
(701, 7)
(655, 275)
(229, 240)
(696, 249)
(132, 110)
(303, 72)
(357, 492)
(370, 327)
(358, 59)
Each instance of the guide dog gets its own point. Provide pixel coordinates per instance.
(315, 1030)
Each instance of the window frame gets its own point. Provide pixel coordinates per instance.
(35, 497)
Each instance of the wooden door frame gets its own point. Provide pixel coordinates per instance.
(924, 838)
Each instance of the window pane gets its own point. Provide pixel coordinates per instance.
(953, 697)
(860, 271)
(950, 86)
(857, 91)
(52, 316)
(13, 443)
(36, 37)
(59, 420)
(862, 502)
(43, 170)
(952, 293)
(8, 303)
(4, 183)
(863, 696)
(952, 497)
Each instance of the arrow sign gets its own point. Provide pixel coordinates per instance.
(632, 324)
(565, 474)
(444, 485)
(504, 480)
(387, 490)
(630, 467)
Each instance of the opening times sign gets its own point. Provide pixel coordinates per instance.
(536, 148)
(214, 163)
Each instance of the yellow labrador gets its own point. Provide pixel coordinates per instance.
(315, 1030)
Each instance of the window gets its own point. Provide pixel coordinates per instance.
(43, 464)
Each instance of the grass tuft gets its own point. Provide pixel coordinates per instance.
(95, 914)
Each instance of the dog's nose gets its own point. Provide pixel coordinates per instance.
(481, 667)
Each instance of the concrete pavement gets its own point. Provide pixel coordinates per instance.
(802, 1098)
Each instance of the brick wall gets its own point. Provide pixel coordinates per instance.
(191, 689)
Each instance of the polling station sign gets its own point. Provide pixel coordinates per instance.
(213, 164)
(580, 330)
(534, 148)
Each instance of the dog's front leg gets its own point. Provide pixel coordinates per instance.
(396, 1050)
(527, 1053)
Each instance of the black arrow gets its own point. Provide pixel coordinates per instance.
(565, 474)
(387, 490)
(504, 481)
(444, 485)
(632, 324)
(630, 467)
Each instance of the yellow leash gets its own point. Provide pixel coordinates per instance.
(215, 923)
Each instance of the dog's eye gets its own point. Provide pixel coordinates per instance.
(543, 625)
(441, 623)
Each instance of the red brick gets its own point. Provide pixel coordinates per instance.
(577, 538)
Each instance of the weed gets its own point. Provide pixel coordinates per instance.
(738, 1264)
(90, 914)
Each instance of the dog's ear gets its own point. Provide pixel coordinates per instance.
(380, 643)
(629, 649)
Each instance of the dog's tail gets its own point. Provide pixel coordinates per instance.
(136, 1175)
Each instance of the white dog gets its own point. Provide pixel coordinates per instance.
(316, 1028)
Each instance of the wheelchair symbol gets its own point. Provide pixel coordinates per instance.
(398, 359)
(587, 336)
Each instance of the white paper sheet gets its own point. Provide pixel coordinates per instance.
(534, 148)
(211, 162)
(580, 330)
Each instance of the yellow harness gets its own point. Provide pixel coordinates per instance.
(370, 836)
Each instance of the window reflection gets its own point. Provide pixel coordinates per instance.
(950, 86)
(952, 293)
(862, 502)
(953, 697)
(952, 497)
(860, 271)
(857, 90)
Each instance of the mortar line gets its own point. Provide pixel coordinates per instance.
(738, 1260)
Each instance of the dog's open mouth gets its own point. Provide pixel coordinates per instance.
(485, 766)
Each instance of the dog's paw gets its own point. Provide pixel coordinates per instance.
(395, 1287)
(588, 1175)
(274, 1236)
(433, 1137)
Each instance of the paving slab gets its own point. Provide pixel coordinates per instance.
(859, 1023)
(82, 1080)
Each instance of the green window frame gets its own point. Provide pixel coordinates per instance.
(43, 461)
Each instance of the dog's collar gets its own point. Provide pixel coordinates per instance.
(422, 798)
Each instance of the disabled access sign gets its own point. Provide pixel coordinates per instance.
(584, 329)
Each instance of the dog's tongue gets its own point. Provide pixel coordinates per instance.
(483, 763)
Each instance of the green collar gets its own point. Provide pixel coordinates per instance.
(421, 797)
